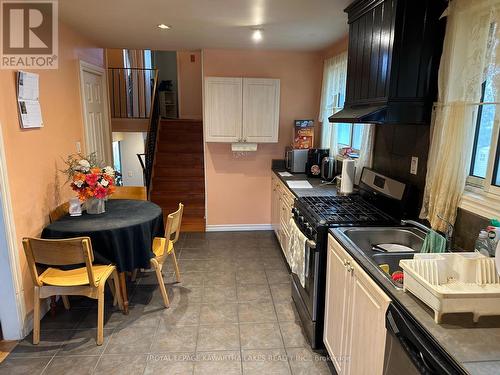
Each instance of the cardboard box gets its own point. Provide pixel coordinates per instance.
(303, 136)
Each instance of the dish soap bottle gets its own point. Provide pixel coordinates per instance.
(482, 243)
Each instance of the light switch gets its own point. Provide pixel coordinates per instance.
(78, 147)
(414, 165)
(130, 174)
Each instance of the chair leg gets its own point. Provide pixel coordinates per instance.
(36, 316)
(159, 276)
(100, 316)
(134, 275)
(176, 267)
(117, 293)
(113, 291)
(65, 299)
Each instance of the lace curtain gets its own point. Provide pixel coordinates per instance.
(332, 98)
(332, 101)
(469, 54)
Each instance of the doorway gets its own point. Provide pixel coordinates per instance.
(12, 309)
(95, 111)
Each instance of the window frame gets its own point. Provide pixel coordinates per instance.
(351, 136)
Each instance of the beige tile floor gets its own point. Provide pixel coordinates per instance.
(231, 314)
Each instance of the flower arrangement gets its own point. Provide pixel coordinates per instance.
(89, 178)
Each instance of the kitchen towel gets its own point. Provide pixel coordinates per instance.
(297, 249)
(433, 243)
(301, 184)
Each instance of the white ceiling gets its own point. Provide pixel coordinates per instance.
(197, 24)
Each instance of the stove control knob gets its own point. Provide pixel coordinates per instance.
(301, 219)
(294, 211)
(309, 230)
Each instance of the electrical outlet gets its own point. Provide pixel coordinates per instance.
(78, 147)
(414, 165)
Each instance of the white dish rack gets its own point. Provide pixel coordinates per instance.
(454, 283)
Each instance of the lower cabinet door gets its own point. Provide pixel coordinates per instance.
(367, 325)
(338, 282)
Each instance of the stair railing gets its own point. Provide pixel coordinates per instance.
(131, 92)
(152, 138)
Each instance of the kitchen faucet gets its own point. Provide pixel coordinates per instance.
(448, 234)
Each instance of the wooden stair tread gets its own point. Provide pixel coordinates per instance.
(178, 172)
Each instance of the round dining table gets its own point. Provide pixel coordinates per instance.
(123, 235)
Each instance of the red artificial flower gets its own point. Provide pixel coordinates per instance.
(100, 192)
(91, 179)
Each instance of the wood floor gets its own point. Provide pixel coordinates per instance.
(5, 348)
(178, 174)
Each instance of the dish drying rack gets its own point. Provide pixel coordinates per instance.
(454, 283)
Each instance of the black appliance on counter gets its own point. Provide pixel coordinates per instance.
(314, 158)
(380, 202)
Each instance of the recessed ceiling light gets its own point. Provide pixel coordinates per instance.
(257, 35)
(164, 27)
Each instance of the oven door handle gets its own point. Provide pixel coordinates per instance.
(311, 244)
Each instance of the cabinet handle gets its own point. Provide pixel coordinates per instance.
(350, 268)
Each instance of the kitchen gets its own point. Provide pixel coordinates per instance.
(350, 182)
(351, 239)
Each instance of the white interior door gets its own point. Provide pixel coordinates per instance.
(261, 105)
(95, 112)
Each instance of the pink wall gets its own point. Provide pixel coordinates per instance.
(189, 84)
(239, 188)
(34, 156)
(336, 48)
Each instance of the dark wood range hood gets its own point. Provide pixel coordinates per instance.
(394, 52)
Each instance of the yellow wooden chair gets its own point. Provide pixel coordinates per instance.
(59, 212)
(86, 281)
(130, 192)
(164, 246)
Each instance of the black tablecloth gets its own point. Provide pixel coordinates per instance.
(123, 235)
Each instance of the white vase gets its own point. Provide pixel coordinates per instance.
(95, 206)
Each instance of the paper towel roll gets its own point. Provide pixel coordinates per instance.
(347, 184)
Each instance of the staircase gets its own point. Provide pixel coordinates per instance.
(178, 171)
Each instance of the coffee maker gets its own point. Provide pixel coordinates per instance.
(314, 158)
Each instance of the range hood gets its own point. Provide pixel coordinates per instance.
(363, 115)
(393, 60)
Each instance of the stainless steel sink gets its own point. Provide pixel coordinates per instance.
(365, 238)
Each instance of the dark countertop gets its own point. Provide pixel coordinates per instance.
(474, 346)
(318, 189)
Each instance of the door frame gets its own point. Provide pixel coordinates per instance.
(13, 310)
(87, 67)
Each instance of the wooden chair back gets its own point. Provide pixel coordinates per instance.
(59, 212)
(130, 192)
(65, 252)
(173, 227)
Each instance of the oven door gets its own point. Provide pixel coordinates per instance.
(308, 291)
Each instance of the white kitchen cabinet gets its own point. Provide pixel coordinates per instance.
(355, 308)
(261, 103)
(241, 109)
(281, 210)
(275, 204)
(223, 103)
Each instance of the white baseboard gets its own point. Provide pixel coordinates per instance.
(238, 227)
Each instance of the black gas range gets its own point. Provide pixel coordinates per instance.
(380, 202)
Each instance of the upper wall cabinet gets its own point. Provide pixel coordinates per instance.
(394, 53)
(241, 109)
